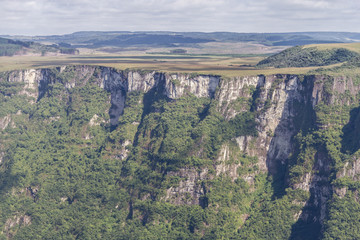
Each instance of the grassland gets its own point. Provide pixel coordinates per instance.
(350, 46)
(219, 65)
(225, 65)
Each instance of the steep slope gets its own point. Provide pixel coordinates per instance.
(93, 152)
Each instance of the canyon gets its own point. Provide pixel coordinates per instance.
(227, 149)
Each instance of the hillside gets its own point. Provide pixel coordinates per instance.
(148, 40)
(269, 39)
(10, 47)
(90, 152)
(302, 56)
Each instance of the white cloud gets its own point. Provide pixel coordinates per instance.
(65, 16)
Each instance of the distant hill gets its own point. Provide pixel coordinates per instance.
(301, 56)
(148, 39)
(10, 47)
(163, 38)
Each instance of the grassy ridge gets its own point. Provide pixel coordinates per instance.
(308, 57)
(350, 46)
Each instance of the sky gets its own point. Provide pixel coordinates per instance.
(48, 17)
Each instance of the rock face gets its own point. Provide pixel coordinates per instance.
(276, 100)
(276, 97)
(284, 105)
(350, 171)
(30, 78)
(232, 89)
(117, 82)
(176, 85)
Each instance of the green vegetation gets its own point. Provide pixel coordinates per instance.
(300, 56)
(69, 174)
(343, 220)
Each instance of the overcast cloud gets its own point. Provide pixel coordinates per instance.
(45, 17)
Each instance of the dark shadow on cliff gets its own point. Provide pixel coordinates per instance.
(306, 230)
(154, 94)
(298, 116)
(132, 182)
(309, 223)
(118, 98)
(350, 142)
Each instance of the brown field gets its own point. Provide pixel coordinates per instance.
(227, 48)
(225, 65)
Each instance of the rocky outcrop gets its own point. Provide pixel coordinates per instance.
(189, 189)
(333, 90)
(96, 121)
(17, 221)
(273, 99)
(124, 152)
(231, 90)
(30, 78)
(177, 85)
(143, 82)
(351, 172)
(5, 121)
(2, 154)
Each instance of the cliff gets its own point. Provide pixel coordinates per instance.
(232, 148)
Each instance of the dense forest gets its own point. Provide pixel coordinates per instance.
(177, 167)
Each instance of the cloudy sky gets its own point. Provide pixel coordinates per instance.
(45, 17)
